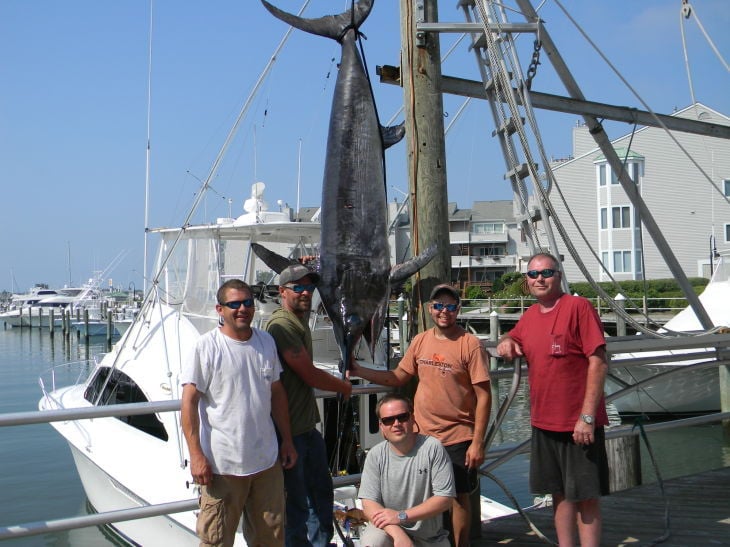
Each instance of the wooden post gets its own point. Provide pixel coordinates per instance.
(426, 152)
(51, 321)
(86, 324)
(624, 462)
(109, 329)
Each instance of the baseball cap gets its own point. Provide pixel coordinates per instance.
(295, 272)
(438, 289)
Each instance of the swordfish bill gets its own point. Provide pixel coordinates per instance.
(354, 262)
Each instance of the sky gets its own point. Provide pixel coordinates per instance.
(81, 89)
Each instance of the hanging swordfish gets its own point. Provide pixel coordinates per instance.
(354, 261)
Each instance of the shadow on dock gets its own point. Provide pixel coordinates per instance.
(699, 515)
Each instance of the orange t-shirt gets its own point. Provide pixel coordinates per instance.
(445, 400)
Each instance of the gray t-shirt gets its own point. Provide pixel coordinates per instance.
(400, 482)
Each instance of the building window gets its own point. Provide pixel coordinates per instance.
(487, 228)
(621, 217)
(602, 175)
(639, 261)
(726, 187)
(622, 261)
(614, 178)
(604, 218)
(727, 233)
(634, 171)
(493, 250)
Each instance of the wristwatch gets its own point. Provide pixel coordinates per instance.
(587, 418)
(402, 517)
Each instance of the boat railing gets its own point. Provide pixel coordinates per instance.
(669, 305)
(67, 374)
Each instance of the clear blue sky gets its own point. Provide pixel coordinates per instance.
(73, 111)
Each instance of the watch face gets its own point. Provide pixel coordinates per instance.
(587, 419)
(402, 516)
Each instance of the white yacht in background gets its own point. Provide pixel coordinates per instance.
(17, 313)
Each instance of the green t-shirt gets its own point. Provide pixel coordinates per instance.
(290, 332)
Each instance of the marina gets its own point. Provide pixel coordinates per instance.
(113, 408)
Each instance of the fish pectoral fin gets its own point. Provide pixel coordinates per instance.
(401, 272)
(392, 134)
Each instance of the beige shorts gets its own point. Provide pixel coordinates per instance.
(372, 536)
(259, 498)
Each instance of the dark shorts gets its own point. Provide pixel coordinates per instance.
(465, 480)
(559, 466)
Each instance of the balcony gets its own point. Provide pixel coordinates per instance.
(497, 261)
(468, 237)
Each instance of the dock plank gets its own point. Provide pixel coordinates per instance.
(699, 515)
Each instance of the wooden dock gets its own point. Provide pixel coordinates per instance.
(699, 516)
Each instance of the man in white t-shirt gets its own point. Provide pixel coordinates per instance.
(231, 391)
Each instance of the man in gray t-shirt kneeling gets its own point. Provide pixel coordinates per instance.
(407, 482)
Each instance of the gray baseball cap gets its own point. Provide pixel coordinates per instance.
(295, 272)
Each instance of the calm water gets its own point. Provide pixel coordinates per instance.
(38, 480)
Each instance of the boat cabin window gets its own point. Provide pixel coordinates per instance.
(121, 389)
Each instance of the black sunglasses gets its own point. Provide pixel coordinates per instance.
(301, 288)
(390, 420)
(547, 273)
(235, 304)
(438, 306)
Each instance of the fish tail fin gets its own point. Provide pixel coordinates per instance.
(330, 26)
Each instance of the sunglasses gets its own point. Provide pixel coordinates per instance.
(235, 304)
(438, 306)
(299, 289)
(547, 273)
(390, 420)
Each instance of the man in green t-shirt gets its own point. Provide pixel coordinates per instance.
(309, 492)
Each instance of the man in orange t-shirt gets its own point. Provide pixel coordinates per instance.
(453, 398)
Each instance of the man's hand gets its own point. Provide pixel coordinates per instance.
(474, 455)
(287, 454)
(384, 517)
(509, 349)
(583, 433)
(200, 469)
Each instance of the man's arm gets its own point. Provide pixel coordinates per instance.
(199, 464)
(583, 433)
(280, 414)
(394, 378)
(372, 508)
(475, 452)
(299, 360)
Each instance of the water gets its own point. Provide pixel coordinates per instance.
(39, 482)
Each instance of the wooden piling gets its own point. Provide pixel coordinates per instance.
(624, 462)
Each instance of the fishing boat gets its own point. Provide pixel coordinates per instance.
(139, 460)
(680, 384)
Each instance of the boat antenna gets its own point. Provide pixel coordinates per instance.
(299, 173)
(147, 157)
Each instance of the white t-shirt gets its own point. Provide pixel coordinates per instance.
(236, 429)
